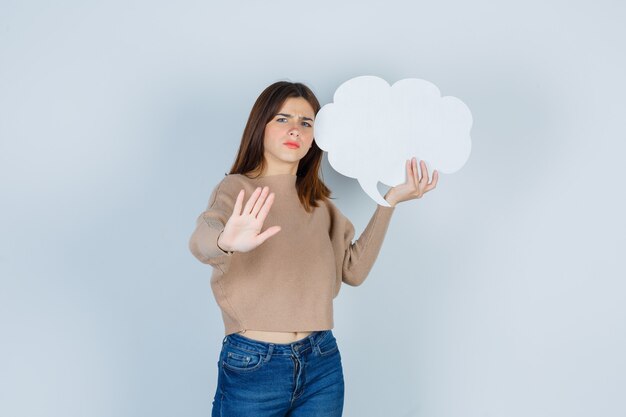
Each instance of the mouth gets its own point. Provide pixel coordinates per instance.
(291, 145)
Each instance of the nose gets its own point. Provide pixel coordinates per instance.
(294, 132)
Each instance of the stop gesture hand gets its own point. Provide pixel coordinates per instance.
(242, 230)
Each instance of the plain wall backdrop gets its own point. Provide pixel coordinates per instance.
(500, 293)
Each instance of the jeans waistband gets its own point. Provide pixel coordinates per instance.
(301, 345)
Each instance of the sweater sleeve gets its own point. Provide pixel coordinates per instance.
(355, 260)
(210, 223)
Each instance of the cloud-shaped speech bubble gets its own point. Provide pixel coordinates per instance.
(371, 129)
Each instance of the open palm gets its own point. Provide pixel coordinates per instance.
(242, 230)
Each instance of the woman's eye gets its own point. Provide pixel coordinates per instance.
(281, 119)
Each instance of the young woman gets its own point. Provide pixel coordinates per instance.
(275, 287)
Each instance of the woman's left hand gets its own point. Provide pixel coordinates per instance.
(414, 187)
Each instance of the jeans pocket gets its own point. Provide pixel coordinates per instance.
(240, 360)
(327, 345)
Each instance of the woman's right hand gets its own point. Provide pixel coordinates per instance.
(241, 232)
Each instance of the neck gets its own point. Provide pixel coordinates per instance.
(272, 169)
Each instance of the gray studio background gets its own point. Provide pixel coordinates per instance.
(500, 293)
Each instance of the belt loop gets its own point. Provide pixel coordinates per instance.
(225, 339)
(270, 350)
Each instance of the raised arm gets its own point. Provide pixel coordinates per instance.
(209, 224)
(224, 228)
(355, 260)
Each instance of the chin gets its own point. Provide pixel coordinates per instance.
(293, 158)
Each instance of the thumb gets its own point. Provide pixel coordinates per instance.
(267, 234)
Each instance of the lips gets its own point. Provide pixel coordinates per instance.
(291, 145)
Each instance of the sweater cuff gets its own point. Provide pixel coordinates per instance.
(388, 210)
(204, 242)
(226, 252)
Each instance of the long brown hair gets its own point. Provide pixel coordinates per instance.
(250, 158)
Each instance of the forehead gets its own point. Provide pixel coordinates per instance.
(297, 106)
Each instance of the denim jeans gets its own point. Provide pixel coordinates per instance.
(260, 379)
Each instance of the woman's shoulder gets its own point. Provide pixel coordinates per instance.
(226, 190)
(333, 211)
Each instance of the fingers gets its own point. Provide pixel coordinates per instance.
(266, 208)
(258, 204)
(252, 201)
(422, 185)
(260, 201)
(412, 168)
(238, 203)
(433, 183)
(255, 194)
(424, 169)
(425, 185)
(410, 174)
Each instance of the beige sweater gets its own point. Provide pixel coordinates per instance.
(288, 283)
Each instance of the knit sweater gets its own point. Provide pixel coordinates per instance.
(287, 283)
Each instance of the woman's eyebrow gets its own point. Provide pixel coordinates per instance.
(289, 115)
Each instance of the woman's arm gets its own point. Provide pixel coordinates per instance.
(209, 225)
(359, 257)
(226, 226)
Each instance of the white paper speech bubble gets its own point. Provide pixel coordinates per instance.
(371, 129)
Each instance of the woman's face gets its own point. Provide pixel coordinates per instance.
(289, 135)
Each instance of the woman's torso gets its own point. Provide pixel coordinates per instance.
(274, 337)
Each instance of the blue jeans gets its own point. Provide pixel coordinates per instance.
(260, 379)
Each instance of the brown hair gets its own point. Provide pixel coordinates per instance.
(251, 150)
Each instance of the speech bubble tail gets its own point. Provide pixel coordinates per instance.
(371, 189)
